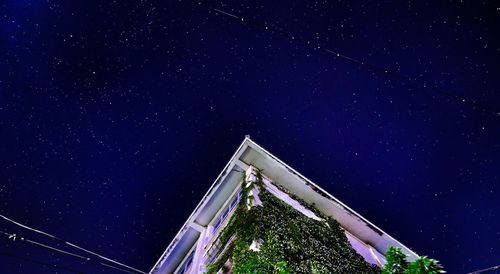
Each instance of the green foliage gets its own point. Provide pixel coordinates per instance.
(294, 243)
(291, 241)
(281, 267)
(396, 264)
(395, 261)
(260, 181)
(214, 267)
(424, 265)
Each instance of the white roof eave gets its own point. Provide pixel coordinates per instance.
(236, 161)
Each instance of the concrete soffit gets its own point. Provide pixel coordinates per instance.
(248, 154)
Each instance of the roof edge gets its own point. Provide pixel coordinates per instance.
(247, 142)
(332, 197)
(198, 206)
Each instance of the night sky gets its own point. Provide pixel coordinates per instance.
(117, 116)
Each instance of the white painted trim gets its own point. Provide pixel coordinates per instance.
(198, 254)
(255, 145)
(214, 237)
(209, 193)
(197, 226)
(235, 162)
(185, 258)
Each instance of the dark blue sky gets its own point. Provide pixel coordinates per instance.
(116, 117)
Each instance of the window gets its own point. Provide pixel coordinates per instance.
(217, 224)
(187, 264)
(226, 211)
(235, 200)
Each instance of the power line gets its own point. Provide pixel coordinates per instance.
(27, 227)
(14, 237)
(54, 249)
(493, 268)
(56, 266)
(107, 265)
(66, 243)
(105, 258)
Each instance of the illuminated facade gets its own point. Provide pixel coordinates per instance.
(198, 244)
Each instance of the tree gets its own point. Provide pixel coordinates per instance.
(396, 264)
(424, 265)
(396, 261)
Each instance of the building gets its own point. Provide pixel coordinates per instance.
(197, 244)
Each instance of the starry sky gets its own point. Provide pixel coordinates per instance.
(117, 116)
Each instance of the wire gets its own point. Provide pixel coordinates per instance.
(117, 268)
(104, 258)
(27, 227)
(55, 249)
(14, 237)
(40, 262)
(485, 270)
(69, 244)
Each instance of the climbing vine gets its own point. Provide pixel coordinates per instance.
(288, 241)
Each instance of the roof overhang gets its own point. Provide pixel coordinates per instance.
(251, 154)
